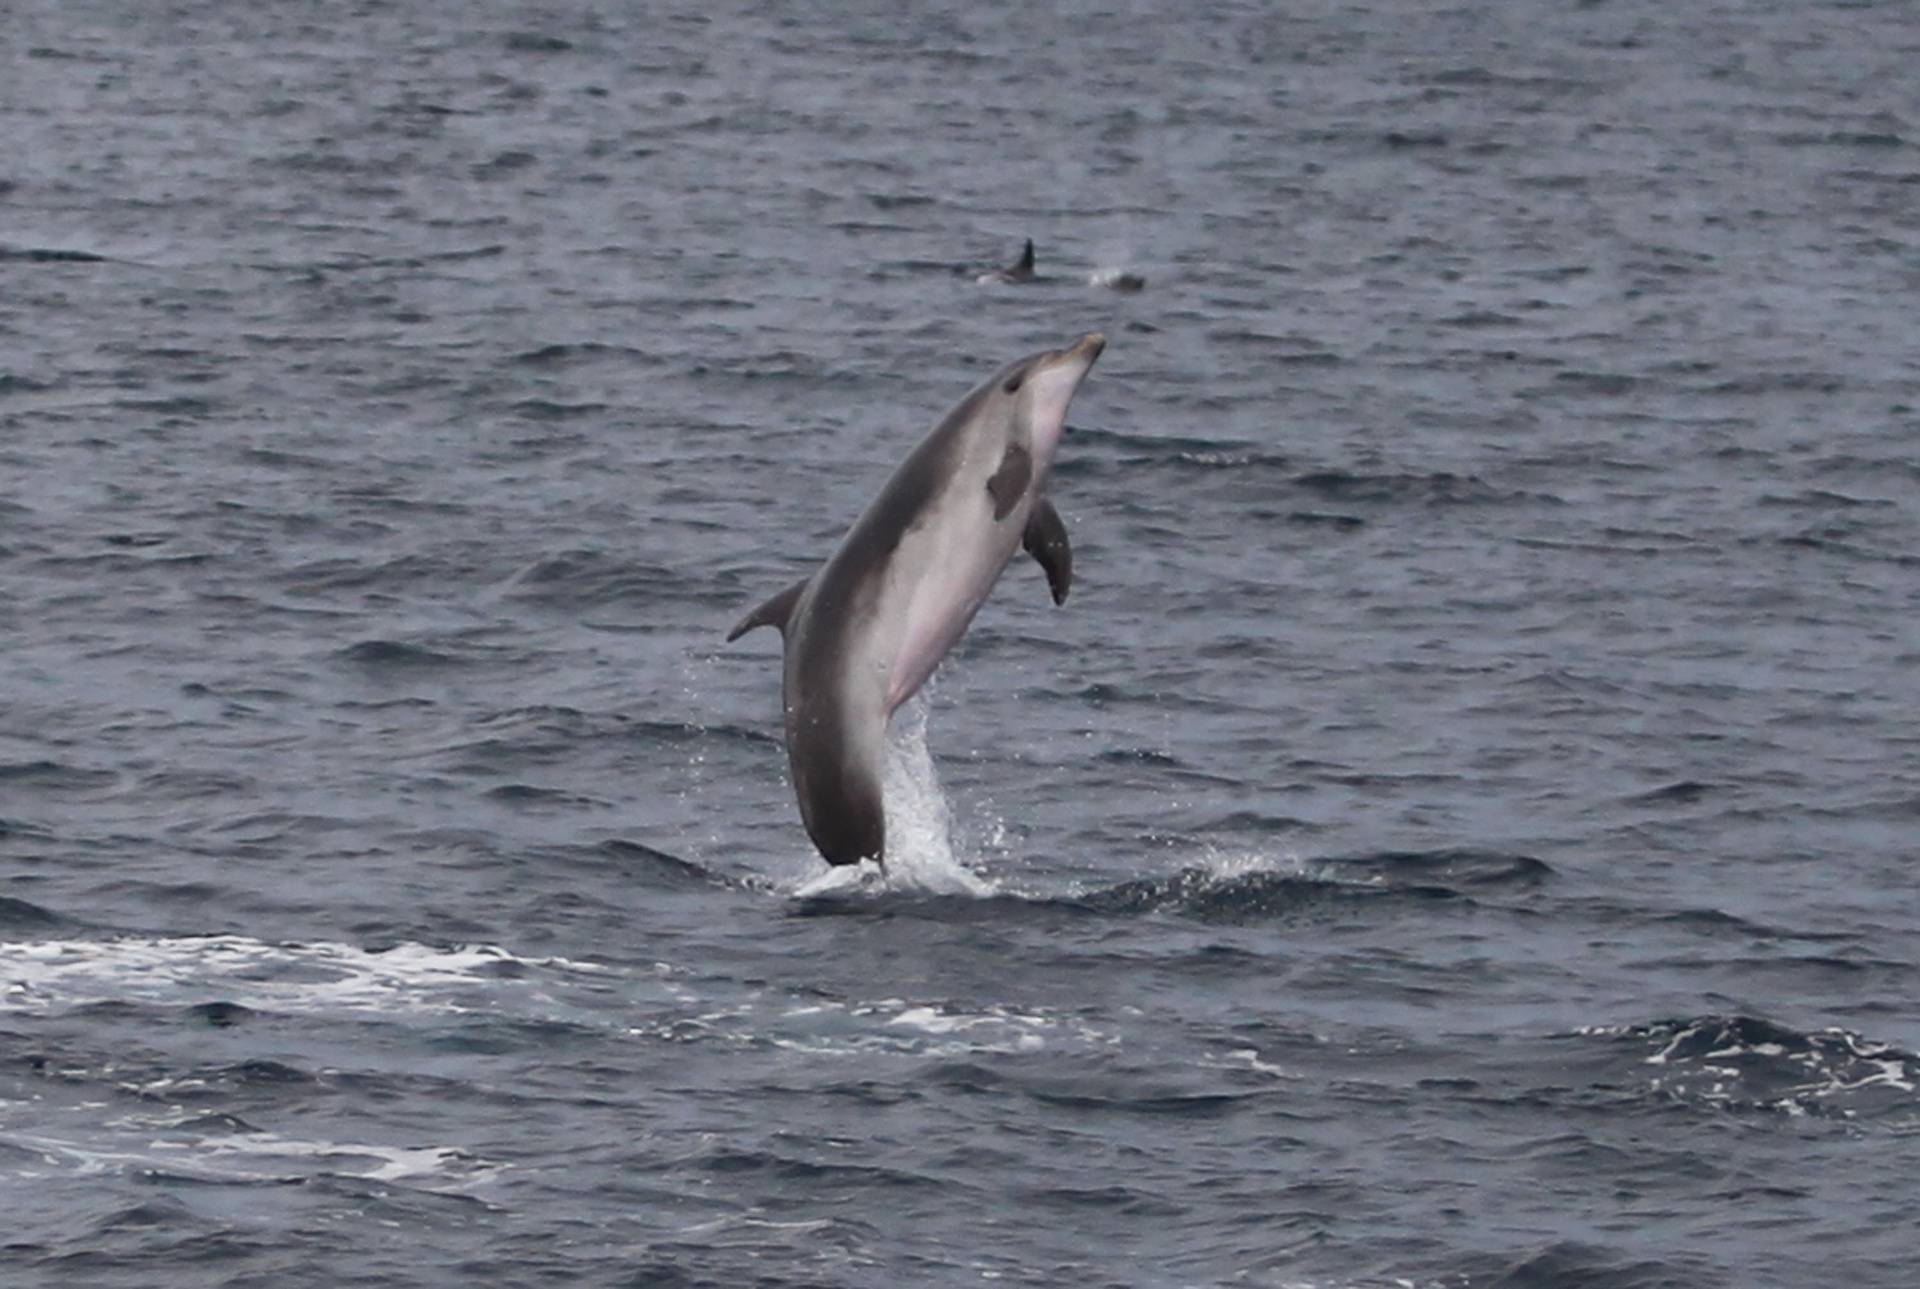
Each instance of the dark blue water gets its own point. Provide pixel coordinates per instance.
(1460, 832)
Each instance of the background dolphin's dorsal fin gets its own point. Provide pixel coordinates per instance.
(776, 612)
(1026, 259)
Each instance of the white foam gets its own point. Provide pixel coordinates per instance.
(843, 879)
(1834, 1068)
(1248, 1058)
(252, 1156)
(52, 975)
(381, 1163)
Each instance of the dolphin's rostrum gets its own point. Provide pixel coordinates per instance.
(866, 630)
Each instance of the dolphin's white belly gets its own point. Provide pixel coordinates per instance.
(940, 576)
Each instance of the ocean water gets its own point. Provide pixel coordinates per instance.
(1460, 831)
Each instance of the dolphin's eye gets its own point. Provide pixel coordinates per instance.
(1013, 383)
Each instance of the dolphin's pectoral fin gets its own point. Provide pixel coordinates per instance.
(774, 613)
(1009, 482)
(1046, 541)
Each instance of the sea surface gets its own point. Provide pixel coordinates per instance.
(1460, 832)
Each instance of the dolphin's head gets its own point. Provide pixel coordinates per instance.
(1041, 387)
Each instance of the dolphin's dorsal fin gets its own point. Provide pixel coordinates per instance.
(1009, 482)
(776, 612)
(1046, 541)
(1026, 259)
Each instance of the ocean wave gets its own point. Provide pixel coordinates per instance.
(207, 1149)
(1747, 1063)
(1255, 887)
(55, 976)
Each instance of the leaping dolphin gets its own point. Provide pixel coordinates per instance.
(867, 629)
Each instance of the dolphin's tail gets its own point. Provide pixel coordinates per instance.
(836, 762)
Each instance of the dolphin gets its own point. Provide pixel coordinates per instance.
(864, 632)
(1021, 270)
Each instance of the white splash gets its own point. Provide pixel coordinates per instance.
(919, 820)
(924, 1028)
(920, 855)
(1116, 278)
(1226, 865)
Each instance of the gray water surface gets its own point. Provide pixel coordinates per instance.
(1459, 832)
